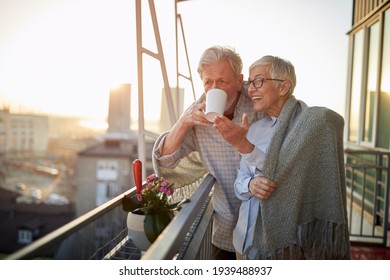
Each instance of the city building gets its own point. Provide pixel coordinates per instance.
(104, 169)
(23, 223)
(367, 123)
(22, 132)
(119, 112)
(32, 182)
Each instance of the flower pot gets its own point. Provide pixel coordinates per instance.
(135, 227)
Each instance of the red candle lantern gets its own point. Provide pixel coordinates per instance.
(137, 173)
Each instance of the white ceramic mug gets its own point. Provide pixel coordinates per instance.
(215, 103)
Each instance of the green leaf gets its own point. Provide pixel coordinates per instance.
(129, 204)
(154, 224)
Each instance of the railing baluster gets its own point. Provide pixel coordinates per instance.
(367, 173)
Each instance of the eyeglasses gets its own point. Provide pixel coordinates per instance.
(258, 82)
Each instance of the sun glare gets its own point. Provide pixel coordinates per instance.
(65, 58)
(96, 125)
(60, 66)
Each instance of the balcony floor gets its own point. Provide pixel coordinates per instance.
(363, 251)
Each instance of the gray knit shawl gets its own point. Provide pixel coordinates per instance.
(305, 217)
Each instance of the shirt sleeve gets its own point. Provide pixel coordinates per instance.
(255, 158)
(241, 185)
(251, 165)
(172, 160)
(163, 160)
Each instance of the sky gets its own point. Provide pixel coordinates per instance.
(63, 56)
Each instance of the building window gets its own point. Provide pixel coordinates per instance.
(369, 96)
(383, 140)
(358, 41)
(25, 236)
(372, 76)
(105, 191)
(107, 170)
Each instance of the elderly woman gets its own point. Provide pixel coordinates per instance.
(300, 148)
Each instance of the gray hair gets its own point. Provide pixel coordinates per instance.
(218, 53)
(279, 68)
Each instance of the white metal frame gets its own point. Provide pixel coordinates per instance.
(159, 55)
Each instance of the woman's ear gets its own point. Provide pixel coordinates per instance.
(285, 87)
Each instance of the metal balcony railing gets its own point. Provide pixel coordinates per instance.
(368, 187)
(102, 232)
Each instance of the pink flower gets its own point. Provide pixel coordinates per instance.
(169, 191)
(164, 190)
(154, 197)
(151, 177)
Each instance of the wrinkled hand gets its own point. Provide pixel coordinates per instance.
(234, 134)
(194, 115)
(261, 187)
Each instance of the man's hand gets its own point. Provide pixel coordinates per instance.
(194, 115)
